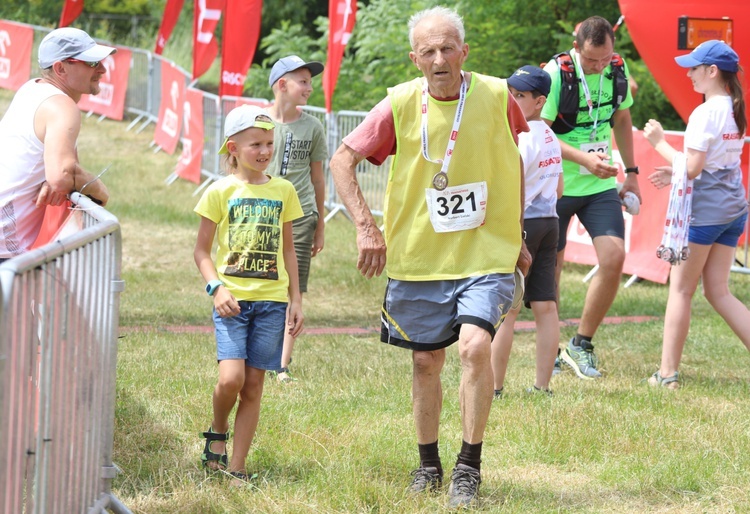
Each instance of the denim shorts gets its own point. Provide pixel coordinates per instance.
(727, 234)
(256, 334)
(428, 315)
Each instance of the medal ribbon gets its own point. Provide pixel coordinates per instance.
(586, 91)
(454, 132)
(677, 224)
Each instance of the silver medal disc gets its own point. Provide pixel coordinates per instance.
(440, 181)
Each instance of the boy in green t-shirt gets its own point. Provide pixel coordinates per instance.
(300, 149)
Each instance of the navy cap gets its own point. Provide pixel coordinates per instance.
(291, 63)
(531, 78)
(711, 52)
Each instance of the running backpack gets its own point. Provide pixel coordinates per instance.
(569, 106)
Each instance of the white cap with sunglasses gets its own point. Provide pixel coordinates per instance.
(242, 118)
(70, 43)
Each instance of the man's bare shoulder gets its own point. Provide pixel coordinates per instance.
(59, 105)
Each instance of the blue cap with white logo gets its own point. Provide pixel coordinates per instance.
(531, 78)
(711, 52)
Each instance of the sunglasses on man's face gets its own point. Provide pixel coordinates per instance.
(89, 64)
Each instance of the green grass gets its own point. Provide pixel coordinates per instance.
(341, 439)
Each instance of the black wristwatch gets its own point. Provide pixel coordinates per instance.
(634, 169)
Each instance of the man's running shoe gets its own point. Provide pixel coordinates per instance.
(464, 488)
(426, 479)
(581, 359)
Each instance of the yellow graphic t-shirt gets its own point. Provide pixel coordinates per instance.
(250, 220)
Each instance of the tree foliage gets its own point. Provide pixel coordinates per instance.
(502, 35)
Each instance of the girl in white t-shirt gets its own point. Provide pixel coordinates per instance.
(713, 143)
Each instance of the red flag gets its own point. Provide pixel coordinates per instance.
(16, 42)
(71, 10)
(341, 17)
(168, 21)
(112, 87)
(239, 41)
(189, 164)
(167, 131)
(205, 49)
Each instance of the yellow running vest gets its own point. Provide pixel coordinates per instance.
(484, 151)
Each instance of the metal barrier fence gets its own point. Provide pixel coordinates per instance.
(59, 319)
(143, 98)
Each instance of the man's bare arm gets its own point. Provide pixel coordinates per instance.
(370, 241)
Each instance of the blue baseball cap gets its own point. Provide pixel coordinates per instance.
(531, 78)
(293, 62)
(711, 52)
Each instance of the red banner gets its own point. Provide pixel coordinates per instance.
(654, 28)
(644, 231)
(15, 54)
(189, 164)
(167, 132)
(54, 219)
(341, 17)
(113, 85)
(71, 10)
(168, 21)
(240, 39)
(205, 49)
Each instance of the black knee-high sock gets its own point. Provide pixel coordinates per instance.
(429, 456)
(471, 455)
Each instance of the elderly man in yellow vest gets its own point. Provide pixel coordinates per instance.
(453, 230)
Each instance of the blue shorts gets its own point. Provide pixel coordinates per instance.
(428, 315)
(727, 234)
(255, 335)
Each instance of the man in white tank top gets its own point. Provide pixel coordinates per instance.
(38, 137)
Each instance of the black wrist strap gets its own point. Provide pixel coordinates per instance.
(634, 169)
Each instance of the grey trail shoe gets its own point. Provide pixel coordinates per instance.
(581, 359)
(464, 488)
(425, 479)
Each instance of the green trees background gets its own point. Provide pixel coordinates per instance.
(502, 35)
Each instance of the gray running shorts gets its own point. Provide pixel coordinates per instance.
(428, 315)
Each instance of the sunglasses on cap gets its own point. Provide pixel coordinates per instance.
(93, 64)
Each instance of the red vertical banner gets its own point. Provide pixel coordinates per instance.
(113, 85)
(167, 132)
(189, 163)
(239, 41)
(168, 21)
(205, 48)
(15, 54)
(71, 10)
(341, 17)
